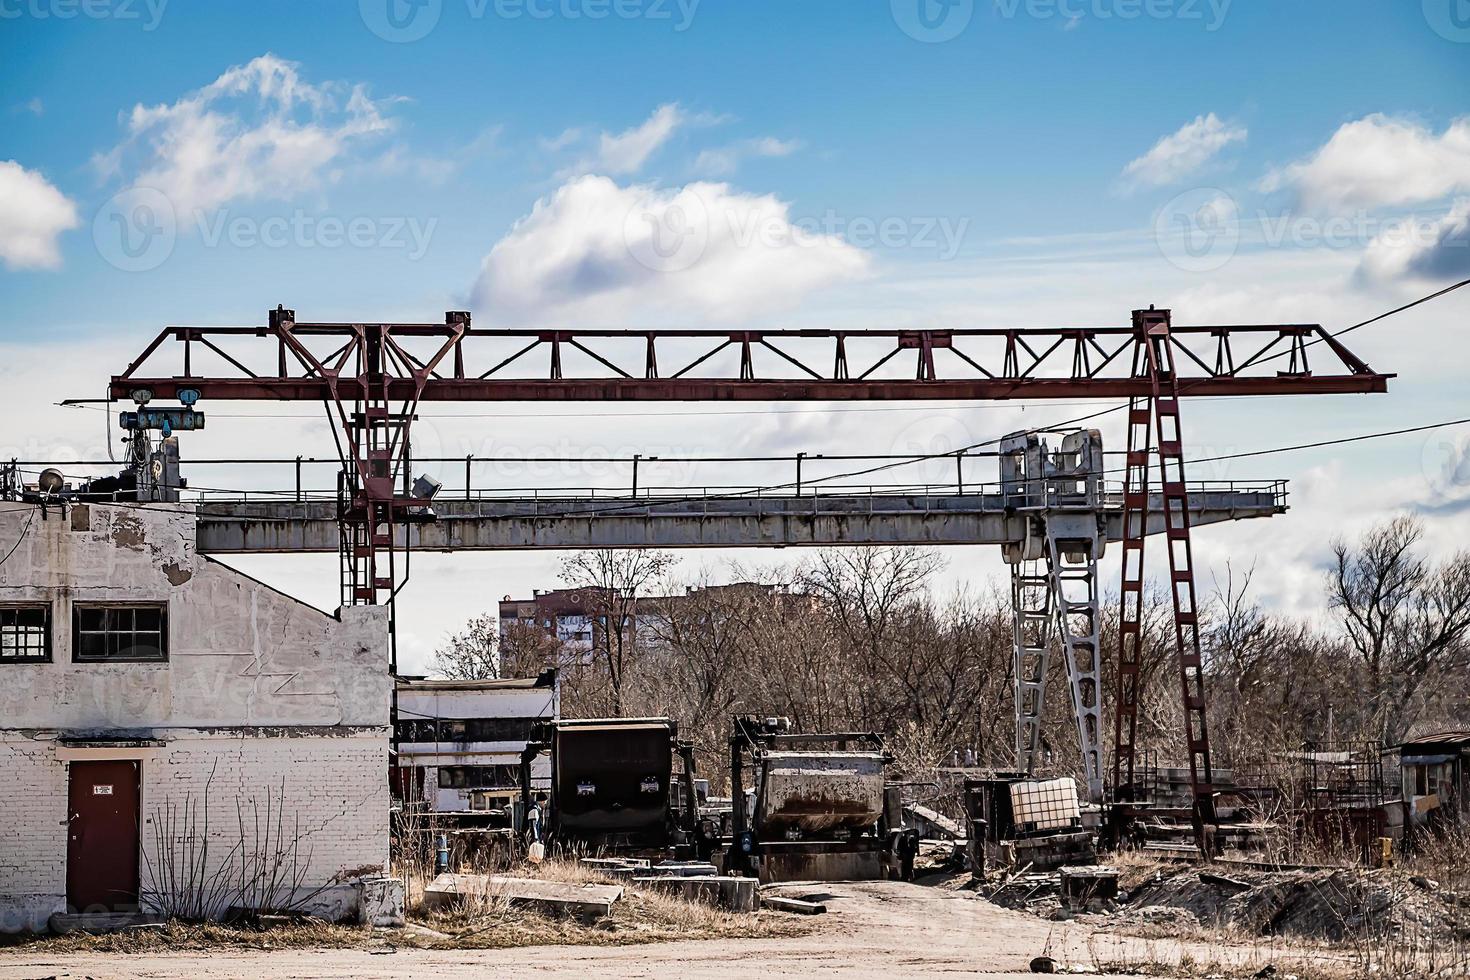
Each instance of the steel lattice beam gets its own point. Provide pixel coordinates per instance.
(452, 361)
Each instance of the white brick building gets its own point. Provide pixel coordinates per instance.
(154, 702)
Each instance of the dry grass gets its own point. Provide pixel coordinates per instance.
(1256, 963)
(639, 918)
(1136, 867)
(1224, 965)
(185, 937)
(1392, 925)
(1445, 858)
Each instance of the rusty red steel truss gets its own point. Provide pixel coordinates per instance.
(372, 377)
(454, 361)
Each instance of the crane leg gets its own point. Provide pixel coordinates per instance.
(1032, 618)
(1073, 573)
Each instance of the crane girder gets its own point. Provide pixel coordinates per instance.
(453, 361)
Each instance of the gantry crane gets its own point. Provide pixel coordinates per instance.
(372, 377)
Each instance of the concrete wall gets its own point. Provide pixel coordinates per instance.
(264, 703)
(240, 653)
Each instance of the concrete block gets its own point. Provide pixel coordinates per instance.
(380, 902)
(781, 903)
(735, 894)
(619, 868)
(684, 869)
(450, 891)
(807, 866)
(1088, 889)
(1052, 851)
(100, 922)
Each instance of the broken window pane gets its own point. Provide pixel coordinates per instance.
(25, 633)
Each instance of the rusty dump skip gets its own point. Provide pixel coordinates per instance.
(820, 792)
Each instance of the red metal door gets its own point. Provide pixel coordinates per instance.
(102, 844)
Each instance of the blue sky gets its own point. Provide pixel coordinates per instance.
(1031, 159)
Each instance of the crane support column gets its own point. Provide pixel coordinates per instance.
(1158, 415)
(1054, 584)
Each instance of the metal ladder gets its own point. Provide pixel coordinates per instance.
(1157, 417)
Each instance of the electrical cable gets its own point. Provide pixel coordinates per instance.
(24, 533)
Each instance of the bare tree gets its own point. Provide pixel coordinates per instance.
(1405, 617)
(855, 640)
(876, 597)
(526, 650)
(613, 580)
(473, 653)
(1272, 680)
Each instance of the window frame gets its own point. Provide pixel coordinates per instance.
(76, 632)
(476, 777)
(47, 638)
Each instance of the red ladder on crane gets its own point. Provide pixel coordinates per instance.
(1156, 417)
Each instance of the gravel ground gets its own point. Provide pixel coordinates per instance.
(873, 931)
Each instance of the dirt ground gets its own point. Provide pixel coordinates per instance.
(872, 930)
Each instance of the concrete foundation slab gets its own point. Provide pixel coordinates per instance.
(449, 891)
(841, 866)
(735, 894)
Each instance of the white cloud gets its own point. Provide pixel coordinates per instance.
(556, 144)
(1181, 153)
(1426, 250)
(626, 152)
(34, 106)
(436, 168)
(32, 214)
(725, 160)
(1380, 161)
(257, 132)
(595, 251)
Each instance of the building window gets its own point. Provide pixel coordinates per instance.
(467, 730)
(479, 777)
(500, 729)
(102, 634)
(25, 634)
